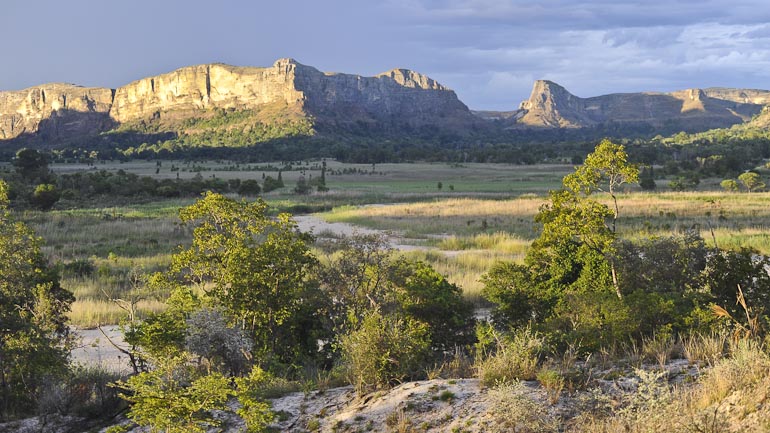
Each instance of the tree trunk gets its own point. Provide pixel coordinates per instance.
(615, 280)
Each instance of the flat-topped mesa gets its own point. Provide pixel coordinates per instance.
(742, 96)
(291, 90)
(205, 87)
(54, 109)
(552, 106)
(411, 79)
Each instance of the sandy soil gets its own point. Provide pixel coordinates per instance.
(323, 229)
(94, 349)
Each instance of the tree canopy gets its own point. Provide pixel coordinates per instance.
(34, 336)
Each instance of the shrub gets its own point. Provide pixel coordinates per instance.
(249, 187)
(385, 349)
(84, 391)
(512, 410)
(79, 268)
(45, 196)
(517, 358)
(553, 382)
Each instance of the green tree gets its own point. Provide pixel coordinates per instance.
(303, 186)
(45, 196)
(647, 179)
(519, 301)
(175, 398)
(34, 335)
(253, 266)
(605, 169)
(271, 184)
(752, 181)
(31, 164)
(249, 187)
(365, 276)
(729, 185)
(567, 279)
(427, 296)
(686, 182)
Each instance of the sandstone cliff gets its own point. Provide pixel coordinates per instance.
(54, 110)
(288, 88)
(552, 106)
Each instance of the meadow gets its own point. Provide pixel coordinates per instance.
(478, 214)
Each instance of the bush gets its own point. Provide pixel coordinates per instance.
(85, 391)
(271, 184)
(45, 196)
(384, 350)
(249, 187)
(79, 268)
(512, 410)
(516, 358)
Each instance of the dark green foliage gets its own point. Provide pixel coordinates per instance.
(32, 165)
(365, 277)
(518, 301)
(34, 336)
(303, 186)
(647, 179)
(271, 184)
(426, 296)
(384, 350)
(249, 187)
(688, 181)
(45, 196)
(726, 270)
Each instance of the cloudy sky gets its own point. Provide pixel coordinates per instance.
(488, 51)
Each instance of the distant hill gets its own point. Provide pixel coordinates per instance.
(290, 109)
(552, 106)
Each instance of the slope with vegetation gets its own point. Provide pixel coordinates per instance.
(582, 332)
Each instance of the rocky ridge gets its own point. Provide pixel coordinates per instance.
(552, 106)
(399, 96)
(289, 98)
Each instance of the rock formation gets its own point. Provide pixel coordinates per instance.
(291, 98)
(552, 106)
(396, 97)
(54, 110)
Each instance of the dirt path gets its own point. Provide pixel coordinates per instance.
(95, 350)
(323, 229)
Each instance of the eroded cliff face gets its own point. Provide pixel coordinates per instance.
(206, 87)
(552, 106)
(399, 96)
(54, 110)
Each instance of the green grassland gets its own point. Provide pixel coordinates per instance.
(486, 216)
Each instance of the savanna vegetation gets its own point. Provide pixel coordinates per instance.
(226, 301)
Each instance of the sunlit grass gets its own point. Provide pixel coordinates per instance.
(497, 242)
(90, 313)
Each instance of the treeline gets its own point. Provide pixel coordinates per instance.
(32, 184)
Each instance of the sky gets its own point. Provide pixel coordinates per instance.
(488, 51)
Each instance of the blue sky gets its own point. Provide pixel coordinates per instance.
(488, 51)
